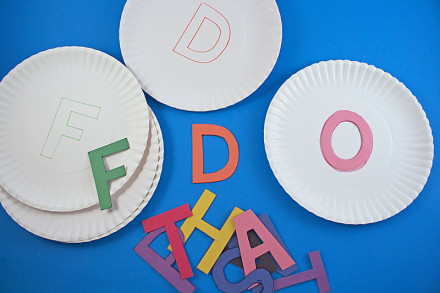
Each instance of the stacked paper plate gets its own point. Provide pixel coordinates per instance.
(55, 107)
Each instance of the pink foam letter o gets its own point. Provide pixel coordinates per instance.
(361, 158)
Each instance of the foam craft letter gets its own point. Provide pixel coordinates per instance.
(163, 266)
(264, 261)
(62, 126)
(248, 221)
(361, 158)
(265, 265)
(316, 273)
(213, 44)
(198, 131)
(221, 237)
(260, 276)
(167, 220)
(101, 175)
(254, 241)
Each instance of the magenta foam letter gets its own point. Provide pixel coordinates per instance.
(248, 221)
(163, 266)
(254, 241)
(361, 158)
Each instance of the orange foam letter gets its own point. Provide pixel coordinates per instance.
(198, 131)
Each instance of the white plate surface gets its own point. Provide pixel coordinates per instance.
(200, 56)
(55, 107)
(92, 223)
(401, 157)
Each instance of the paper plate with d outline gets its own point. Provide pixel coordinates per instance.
(200, 55)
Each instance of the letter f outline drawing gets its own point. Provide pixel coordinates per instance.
(61, 126)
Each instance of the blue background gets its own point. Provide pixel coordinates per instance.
(400, 254)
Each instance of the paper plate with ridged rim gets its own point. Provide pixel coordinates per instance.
(55, 107)
(200, 55)
(92, 223)
(381, 183)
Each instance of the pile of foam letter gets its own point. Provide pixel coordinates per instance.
(260, 252)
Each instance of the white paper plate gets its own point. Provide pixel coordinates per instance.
(402, 153)
(57, 106)
(200, 56)
(92, 223)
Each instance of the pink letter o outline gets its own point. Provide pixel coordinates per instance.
(361, 158)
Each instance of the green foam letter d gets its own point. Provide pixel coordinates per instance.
(101, 175)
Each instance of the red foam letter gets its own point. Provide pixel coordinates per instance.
(168, 220)
(198, 130)
(163, 266)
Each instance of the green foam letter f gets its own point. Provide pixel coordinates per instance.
(101, 175)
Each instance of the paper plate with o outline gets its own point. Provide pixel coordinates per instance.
(92, 223)
(55, 107)
(348, 142)
(200, 55)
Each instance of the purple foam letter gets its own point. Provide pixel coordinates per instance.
(260, 276)
(163, 266)
(317, 272)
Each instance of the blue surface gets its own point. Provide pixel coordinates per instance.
(400, 254)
